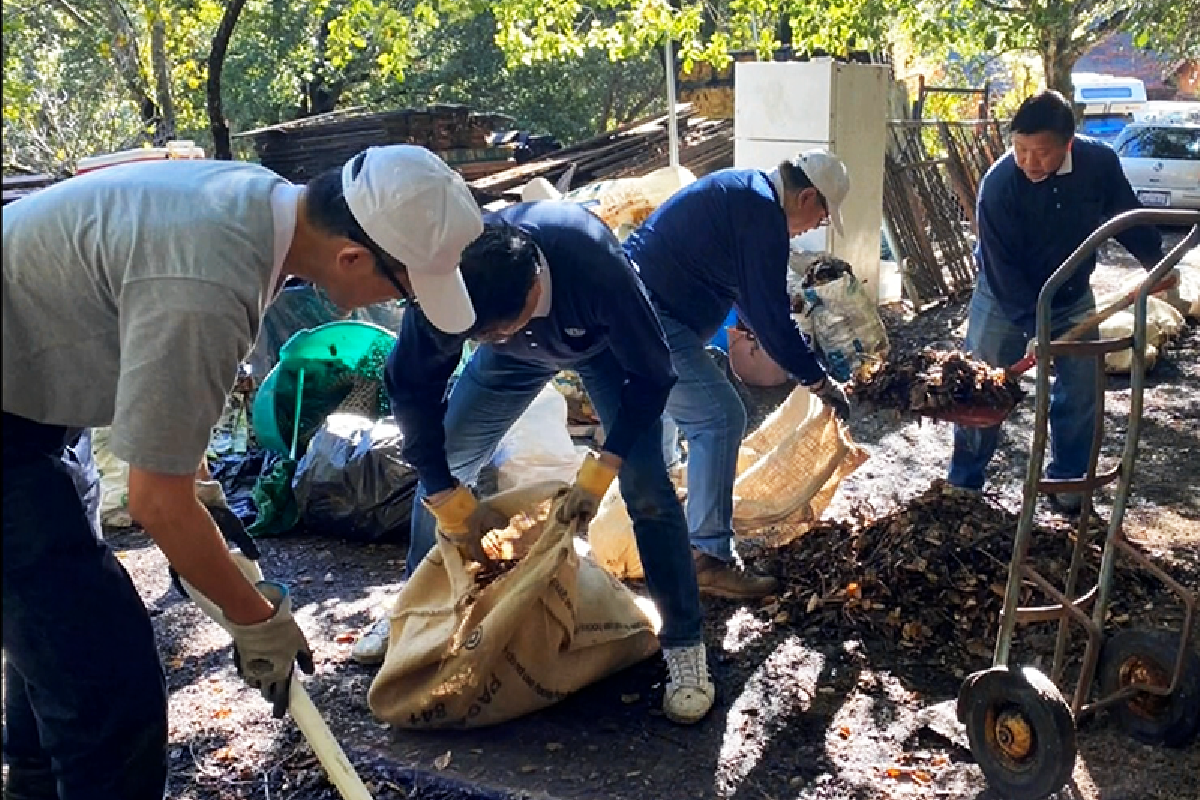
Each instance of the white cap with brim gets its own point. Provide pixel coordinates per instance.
(420, 212)
(829, 176)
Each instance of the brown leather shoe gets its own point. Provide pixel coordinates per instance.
(730, 581)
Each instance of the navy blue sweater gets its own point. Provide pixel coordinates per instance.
(597, 302)
(1027, 230)
(721, 241)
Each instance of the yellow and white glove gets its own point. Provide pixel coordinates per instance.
(464, 520)
(583, 498)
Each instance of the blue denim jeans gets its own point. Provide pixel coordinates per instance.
(993, 337)
(709, 413)
(86, 702)
(493, 391)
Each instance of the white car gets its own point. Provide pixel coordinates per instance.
(1162, 163)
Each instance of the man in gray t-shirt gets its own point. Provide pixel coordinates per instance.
(130, 297)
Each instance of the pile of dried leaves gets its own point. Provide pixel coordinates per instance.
(507, 546)
(936, 380)
(928, 577)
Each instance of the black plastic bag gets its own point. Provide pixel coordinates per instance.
(238, 474)
(353, 483)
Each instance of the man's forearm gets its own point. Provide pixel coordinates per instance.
(193, 544)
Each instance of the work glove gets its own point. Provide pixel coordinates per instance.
(464, 520)
(832, 395)
(266, 652)
(583, 498)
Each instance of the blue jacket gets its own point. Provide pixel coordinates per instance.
(597, 303)
(721, 241)
(1027, 230)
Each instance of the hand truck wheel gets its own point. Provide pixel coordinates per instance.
(1148, 657)
(1020, 729)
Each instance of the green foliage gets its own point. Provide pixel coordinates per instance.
(559, 66)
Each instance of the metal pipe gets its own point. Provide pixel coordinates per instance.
(672, 116)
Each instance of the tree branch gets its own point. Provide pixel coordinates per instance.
(70, 11)
(994, 6)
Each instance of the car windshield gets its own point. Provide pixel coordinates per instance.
(1172, 143)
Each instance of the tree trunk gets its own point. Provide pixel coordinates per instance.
(320, 98)
(162, 80)
(1058, 58)
(129, 65)
(222, 148)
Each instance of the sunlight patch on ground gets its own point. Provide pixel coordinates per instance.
(743, 629)
(779, 690)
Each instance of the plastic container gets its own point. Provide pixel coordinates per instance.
(179, 149)
(346, 343)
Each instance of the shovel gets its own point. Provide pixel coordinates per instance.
(308, 719)
(986, 417)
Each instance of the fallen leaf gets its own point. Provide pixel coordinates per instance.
(814, 603)
(345, 638)
(853, 590)
(844, 732)
(442, 761)
(222, 713)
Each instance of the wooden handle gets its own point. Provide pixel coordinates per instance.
(1094, 321)
(306, 716)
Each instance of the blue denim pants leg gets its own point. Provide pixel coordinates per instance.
(1074, 401)
(85, 691)
(491, 394)
(709, 412)
(658, 522)
(992, 337)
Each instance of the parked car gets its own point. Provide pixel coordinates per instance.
(1162, 163)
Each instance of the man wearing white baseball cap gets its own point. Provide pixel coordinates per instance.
(131, 294)
(720, 242)
(439, 218)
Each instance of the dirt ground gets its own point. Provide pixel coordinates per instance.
(816, 706)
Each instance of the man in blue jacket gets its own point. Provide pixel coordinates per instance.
(1036, 205)
(723, 241)
(572, 300)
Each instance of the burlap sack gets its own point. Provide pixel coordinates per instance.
(461, 657)
(788, 472)
(1184, 297)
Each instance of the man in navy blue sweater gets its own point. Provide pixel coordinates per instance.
(723, 241)
(570, 299)
(1036, 205)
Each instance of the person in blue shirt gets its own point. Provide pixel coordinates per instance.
(720, 242)
(1036, 205)
(571, 299)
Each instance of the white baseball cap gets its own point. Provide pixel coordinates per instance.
(828, 175)
(420, 212)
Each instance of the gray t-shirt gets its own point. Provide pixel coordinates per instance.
(131, 295)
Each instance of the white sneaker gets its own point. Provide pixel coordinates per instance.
(372, 646)
(690, 692)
